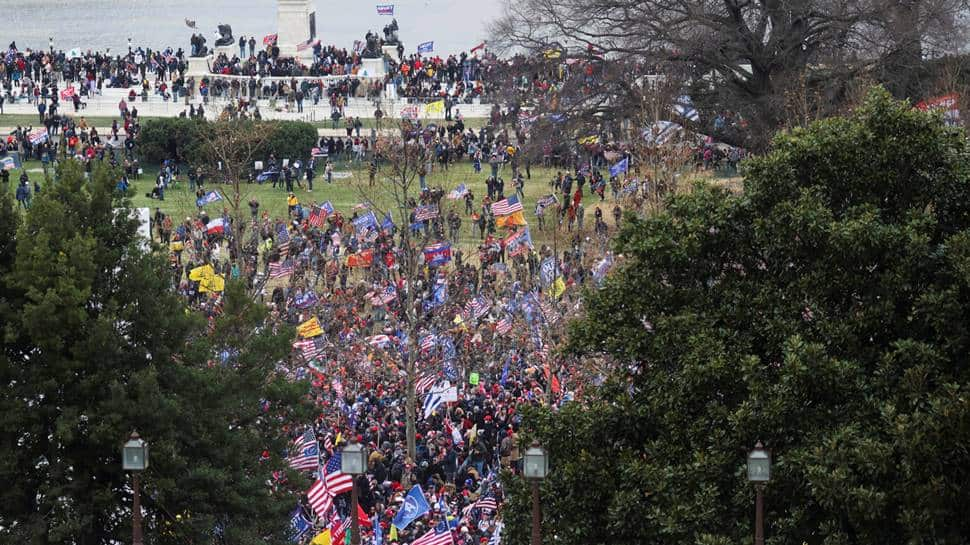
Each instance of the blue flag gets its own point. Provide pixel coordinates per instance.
(299, 524)
(388, 223)
(426, 47)
(505, 371)
(414, 506)
(620, 167)
(209, 198)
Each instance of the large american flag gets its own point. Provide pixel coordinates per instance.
(306, 452)
(310, 348)
(441, 535)
(504, 325)
(428, 342)
(487, 504)
(320, 499)
(337, 481)
(279, 269)
(507, 206)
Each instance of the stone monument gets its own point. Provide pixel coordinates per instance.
(295, 25)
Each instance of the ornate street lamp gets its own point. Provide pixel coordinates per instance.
(353, 461)
(134, 458)
(759, 473)
(536, 467)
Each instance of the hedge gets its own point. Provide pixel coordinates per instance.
(180, 138)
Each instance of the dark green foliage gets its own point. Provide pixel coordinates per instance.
(96, 344)
(169, 137)
(288, 139)
(824, 311)
(181, 138)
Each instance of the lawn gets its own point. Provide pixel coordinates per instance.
(351, 189)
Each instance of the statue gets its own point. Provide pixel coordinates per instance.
(198, 46)
(390, 33)
(372, 49)
(225, 36)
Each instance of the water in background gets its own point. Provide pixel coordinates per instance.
(454, 25)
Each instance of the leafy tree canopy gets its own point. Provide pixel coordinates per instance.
(825, 311)
(97, 343)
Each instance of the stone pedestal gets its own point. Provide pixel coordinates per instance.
(198, 66)
(391, 51)
(372, 68)
(293, 25)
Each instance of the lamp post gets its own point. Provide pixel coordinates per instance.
(536, 466)
(129, 45)
(50, 42)
(134, 458)
(353, 461)
(759, 473)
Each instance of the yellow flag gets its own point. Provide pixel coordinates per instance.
(558, 287)
(392, 535)
(515, 218)
(323, 538)
(586, 140)
(207, 278)
(310, 328)
(436, 107)
(552, 53)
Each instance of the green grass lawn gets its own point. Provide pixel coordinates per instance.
(346, 192)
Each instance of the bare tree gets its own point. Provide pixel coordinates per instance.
(231, 147)
(740, 55)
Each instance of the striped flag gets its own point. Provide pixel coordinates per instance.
(428, 342)
(486, 504)
(426, 212)
(385, 9)
(283, 240)
(337, 481)
(432, 401)
(307, 45)
(506, 206)
(425, 383)
(310, 349)
(320, 499)
(504, 325)
(439, 536)
(496, 538)
(279, 269)
(306, 452)
(385, 296)
(477, 307)
(317, 216)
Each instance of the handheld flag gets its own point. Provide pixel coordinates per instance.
(425, 47)
(209, 198)
(621, 167)
(385, 9)
(413, 507)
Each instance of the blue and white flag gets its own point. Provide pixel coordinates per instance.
(367, 221)
(620, 168)
(426, 47)
(268, 175)
(432, 402)
(684, 107)
(299, 524)
(385, 9)
(209, 198)
(413, 507)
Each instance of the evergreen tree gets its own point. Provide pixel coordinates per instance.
(825, 311)
(96, 344)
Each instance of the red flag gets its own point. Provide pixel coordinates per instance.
(477, 47)
(269, 39)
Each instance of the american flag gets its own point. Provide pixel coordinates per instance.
(549, 312)
(441, 535)
(338, 387)
(428, 341)
(504, 325)
(477, 307)
(506, 206)
(279, 269)
(320, 499)
(306, 45)
(496, 538)
(306, 453)
(425, 383)
(383, 297)
(283, 240)
(328, 442)
(317, 217)
(379, 341)
(337, 482)
(426, 212)
(310, 348)
(487, 504)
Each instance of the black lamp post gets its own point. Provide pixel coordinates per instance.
(134, 458)
(759, 473)
(536, 467)
(353, 461)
